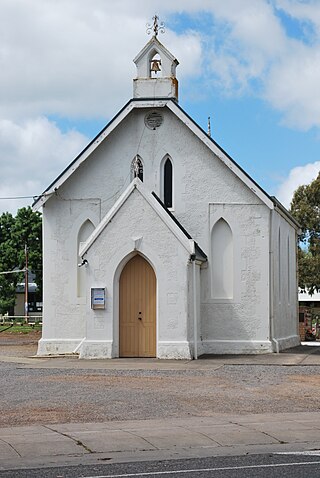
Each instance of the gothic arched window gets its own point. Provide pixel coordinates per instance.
(137, 168)
(168, 183)
(155, 66)
(222, 260)
(84, 232)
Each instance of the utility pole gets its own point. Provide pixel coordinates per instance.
(26, 284)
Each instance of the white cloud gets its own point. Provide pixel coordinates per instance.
(32, 154)
(187, 48)
(298, 176)
(252, 53)
(246, 40)
(71, 60)
(304, 11)
(74, 59)
(292, 84)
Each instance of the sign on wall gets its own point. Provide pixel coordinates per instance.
(98, 298)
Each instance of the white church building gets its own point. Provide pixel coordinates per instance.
(158, 244)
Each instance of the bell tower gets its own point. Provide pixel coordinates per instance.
(156, 68)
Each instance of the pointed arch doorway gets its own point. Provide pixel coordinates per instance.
(137, 309)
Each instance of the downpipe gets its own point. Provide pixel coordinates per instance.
(195, 312)
(79, 345)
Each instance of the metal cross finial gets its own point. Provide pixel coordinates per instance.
(156, 27)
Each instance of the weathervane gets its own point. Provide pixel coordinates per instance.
(156, 27)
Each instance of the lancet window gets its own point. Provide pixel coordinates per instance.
(222, 260)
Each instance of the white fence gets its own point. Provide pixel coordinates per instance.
(20, 319)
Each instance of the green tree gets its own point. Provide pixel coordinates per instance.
(7, 263)
(305, 207)
(25, 229)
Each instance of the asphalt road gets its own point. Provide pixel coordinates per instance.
(251, 466)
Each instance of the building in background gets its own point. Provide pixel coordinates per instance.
(34, 299)
(309, 315)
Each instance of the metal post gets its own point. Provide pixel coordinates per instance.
(26, 285)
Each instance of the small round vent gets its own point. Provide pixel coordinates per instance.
(153, 120)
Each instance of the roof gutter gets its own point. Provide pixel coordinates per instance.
(285, 213)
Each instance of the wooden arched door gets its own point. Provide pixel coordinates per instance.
(137, 309)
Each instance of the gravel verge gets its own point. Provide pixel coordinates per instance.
(42, 395)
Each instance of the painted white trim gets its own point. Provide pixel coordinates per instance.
(164, 216)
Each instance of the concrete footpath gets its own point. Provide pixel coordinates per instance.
(88, 443)
(308, 353)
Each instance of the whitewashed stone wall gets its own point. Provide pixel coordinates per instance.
(240, 324)
(64, 313)
(285, 290)
(170, 261)
(205, 189)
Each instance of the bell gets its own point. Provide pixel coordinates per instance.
(155, 65)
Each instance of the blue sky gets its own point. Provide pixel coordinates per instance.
(253, 66)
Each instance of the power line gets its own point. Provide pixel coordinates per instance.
(34, 196)
(20, 197)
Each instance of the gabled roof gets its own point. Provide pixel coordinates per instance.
(74, 165)
(154, 44)
(198, 251)
(175, 227)
(185, 118)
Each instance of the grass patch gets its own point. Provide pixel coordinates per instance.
(20, 329)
